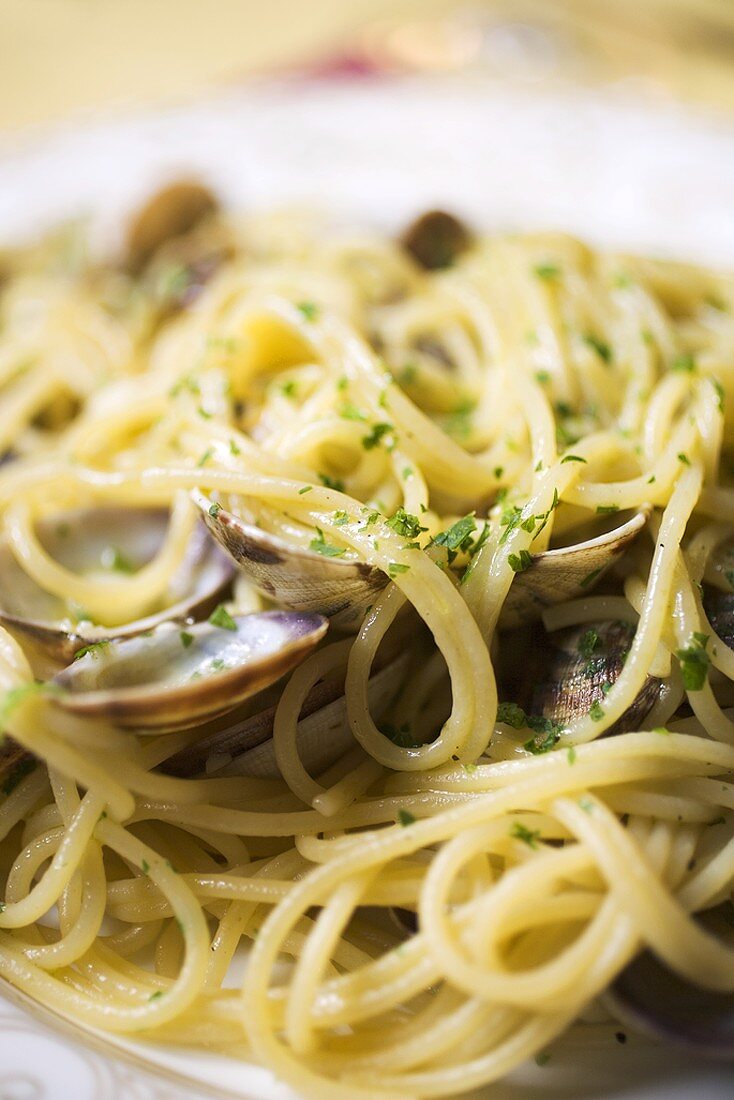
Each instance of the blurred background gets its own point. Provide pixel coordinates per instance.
(62, 59)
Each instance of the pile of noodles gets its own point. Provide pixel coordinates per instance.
(325, 381)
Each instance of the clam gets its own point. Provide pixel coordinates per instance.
(436, 239)
(246, 746)
(568, 571)
(291, 575)
(579, 665)
(652, 999)
(112, 540)
(169, 213)
(342, 589)
(15, 763)
(719, 607)
(171, 678)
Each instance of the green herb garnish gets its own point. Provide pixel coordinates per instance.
(221, 617)
(320, 546)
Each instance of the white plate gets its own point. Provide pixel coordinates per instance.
(633, 174)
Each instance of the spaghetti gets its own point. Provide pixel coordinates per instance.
(445, 427)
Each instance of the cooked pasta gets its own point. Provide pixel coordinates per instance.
(519, 770)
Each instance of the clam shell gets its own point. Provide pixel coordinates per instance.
(323, 735)
(291, 575)
(568, 571)
(79, 540)
(652, 999)
(571, 681)
(436, 239)
(15, 762)
(170, 679)
(343, 590)
(168, 213)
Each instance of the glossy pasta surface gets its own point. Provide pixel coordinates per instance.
(502, 467)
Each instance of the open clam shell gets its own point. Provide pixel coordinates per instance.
(568, 571)
(323, 735)
(579, 665)
(291, 575)
(342, 590)
(172, 678)
(652, 999)
(92, 540)
(15, 763)
(166, 214)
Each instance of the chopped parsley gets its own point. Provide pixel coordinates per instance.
(547, 733)
(520, 562)
(305, 489)
(395, 567)
(685, 363)
(94, 648)
(215, 509)
(221, 617)
(309, 310)
(332, 482)
(341, 517)
(720, 394)
(591, 577)
(572, 458)
(510, 714)
(349, 411)
(405, 524)
(571, 754)
(606, 509)
(369, 442)
(289, 389)
(602, 349)
(588, 643)
(113, 558)
(527, 836)
(684, 458)
(405, 817)
(547, 271)
(233, 448)
(186, 638)
(458, 536)
(694, 662)
(596, 711)
(320, 546)
(205, 457)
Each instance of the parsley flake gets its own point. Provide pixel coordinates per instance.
(694, 662)
(221, 617)
(320, 546)
(309, 310)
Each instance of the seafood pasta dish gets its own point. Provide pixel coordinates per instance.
(366, 613)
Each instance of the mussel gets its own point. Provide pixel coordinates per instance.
(171, 678)
(106, 542)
